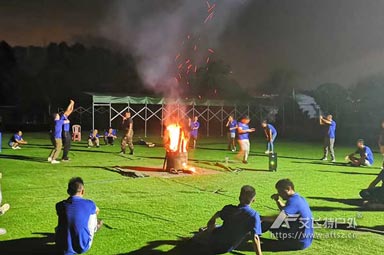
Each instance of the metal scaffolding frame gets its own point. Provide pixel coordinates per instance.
(206, 110)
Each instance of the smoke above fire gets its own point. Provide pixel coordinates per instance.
(170, 39)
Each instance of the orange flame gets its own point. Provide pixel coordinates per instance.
(177, 139)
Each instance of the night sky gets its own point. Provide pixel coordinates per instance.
(323, 40)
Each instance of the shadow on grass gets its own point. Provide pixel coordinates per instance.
(343, 172)
(179, 247)
(347, 201)
(22, 157)
(31, 245)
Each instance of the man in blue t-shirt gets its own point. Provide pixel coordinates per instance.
(195, 125)
(366, 155)
(239, 222)
(77, 220)
(270, 134)
(243, 131)
(329, 136)
(57, 134)
(232, 127)
(66, 131)
(294, 226)
(16, 140)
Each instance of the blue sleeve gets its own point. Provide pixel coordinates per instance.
(198, 124)
(291, 207)
(257, 227)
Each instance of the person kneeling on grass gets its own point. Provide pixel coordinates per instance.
(293, 227)
(16, 140)
(374, 196)
(77, 220)
(238, 222)
(93, 139)
(366, 155)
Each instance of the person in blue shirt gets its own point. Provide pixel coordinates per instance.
(365, 153)
(293, 227)
(329, 136)
(93, 139)
(243, 131)
(110, 136)
(195, 125)
(239, 223)
(77, 220)
(270, 134)
(57, 134)
(232, 127)
(66, 131)
(17, 140)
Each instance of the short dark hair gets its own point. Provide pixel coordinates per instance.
(285, 184)
(247, 194)
(75, 185)
(360, 141)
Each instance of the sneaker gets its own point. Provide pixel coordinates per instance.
(49, 159)
(13, 148)
(333, 160)
(65, 159)
(17, 148)
(4, 209)
(324, 159)
(233, 150)
(131, 153)
(54, 161)
(267, 152)
(245, 162)
(3, 231)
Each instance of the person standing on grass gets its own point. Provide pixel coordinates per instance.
(297, 233)
(381, 141)
(195, 125)
(243, 131)
(66, 131)
(16, 140)
(3, 209)
(77, 220)
(270, 134)
(127, 127)
(239, 223)
(366, 155)
(329, 136)
(232, 127)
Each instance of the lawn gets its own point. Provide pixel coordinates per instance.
(154, 213)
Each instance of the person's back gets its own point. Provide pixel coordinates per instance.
(297, 205)
(369, 154)
(77, 221)
(238, 221)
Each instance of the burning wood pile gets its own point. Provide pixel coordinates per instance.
(176, 146)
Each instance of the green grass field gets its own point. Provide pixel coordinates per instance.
(159, 211)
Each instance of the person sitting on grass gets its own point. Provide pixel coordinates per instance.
(238, 223)
(374, 196)
(77, 220)
(93, 139)
(366, 155)
(110, 136)
(17, 140)
(3, 209)
(293, 227)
